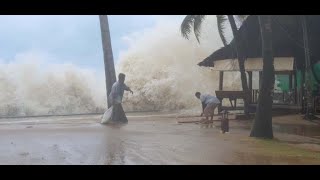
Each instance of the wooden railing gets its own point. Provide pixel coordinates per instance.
(232, 96)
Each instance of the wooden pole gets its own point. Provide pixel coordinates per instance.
(220, 80)
(250, 80)
(260, 78)
(250, 85)
(290, 81)
(295, 86)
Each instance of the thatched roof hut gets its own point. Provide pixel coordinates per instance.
(286, 37)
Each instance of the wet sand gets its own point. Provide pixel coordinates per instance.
(149, 138)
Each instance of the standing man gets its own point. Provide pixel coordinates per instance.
(116, 95)
(209, 104)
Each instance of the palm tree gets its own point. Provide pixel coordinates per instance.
(195, 21)
(309, 108)
(241, 59)
(107, 53)
(262, 125)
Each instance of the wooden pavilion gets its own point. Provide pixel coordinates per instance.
(289, 60)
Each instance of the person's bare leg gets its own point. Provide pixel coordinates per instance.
(206, 119)
(213, 113)
(202, 120)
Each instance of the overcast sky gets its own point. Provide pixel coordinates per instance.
(68, 39)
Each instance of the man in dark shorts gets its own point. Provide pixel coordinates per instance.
(209, 104)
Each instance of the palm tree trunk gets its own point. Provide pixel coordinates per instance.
(302, 87)
(107, 54)
(309, 106)
(241, 60)
(262, 126)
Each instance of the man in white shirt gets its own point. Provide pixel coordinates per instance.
(209, 104)
(116, 95)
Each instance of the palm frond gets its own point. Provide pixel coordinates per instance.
(186, 25)
(221, 19)
(239, 19)
(198, 19)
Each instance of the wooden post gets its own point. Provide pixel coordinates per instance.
(295, 86)
(290, 86)
(250, 80)
(250, 86)
(260, 78)
(220, 80)
(290, 81)
(303, 75)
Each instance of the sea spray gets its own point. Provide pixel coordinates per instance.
(160, 67)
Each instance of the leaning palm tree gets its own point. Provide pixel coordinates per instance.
(195, 21)
(107, 53)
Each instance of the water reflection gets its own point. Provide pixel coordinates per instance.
(302, 130)
(115, 154)
(254, 159)
(114, 144)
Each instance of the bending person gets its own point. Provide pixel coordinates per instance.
(209, 104)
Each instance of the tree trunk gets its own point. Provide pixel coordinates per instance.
(107, 54)
(241, 60)
(262, 125)
(309, 114)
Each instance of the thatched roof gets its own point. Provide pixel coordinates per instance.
(286, 37)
